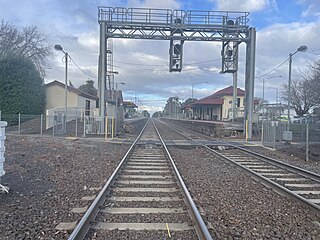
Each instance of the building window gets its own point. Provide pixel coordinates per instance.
(238, 102)
(87, 108)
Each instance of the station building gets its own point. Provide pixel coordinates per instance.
(217, 106)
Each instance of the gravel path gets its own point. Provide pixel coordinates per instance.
(48, 177)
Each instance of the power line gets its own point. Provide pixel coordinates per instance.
(139, 64)
(162, 65)
(80, 68)
(274, 68)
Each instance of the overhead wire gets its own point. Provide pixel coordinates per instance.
(265, 74)
(156, 65)
(80, 68)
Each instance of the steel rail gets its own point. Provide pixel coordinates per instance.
(264, 179)
(201, 227)
(304, 172)
(84, 225)
(269, 182)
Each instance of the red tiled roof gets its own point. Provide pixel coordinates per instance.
(215, 98)
(228, 92)
(209, 101)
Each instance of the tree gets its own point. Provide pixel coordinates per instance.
(89, 87)
(145, 113)
(300, 96)
(28, 43)
(157, 114)
(313, 81)
(172, 107)
(21, 86)
(189, 100)
(259, 104)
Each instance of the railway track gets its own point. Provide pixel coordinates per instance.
(284, 178)
(145, 198)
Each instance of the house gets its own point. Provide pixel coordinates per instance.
(77, 101)
(79, 104)
(217, 106)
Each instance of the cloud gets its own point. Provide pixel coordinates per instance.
(274, 43)
(243, 5)
(143, 64)
(170, 4)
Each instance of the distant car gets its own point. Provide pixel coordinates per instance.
(296, 119)
(282, 118)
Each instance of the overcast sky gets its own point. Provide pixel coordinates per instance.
(282, 26)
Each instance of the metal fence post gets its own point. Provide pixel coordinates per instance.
(54, 123)
(307, 142)
(262, 131)
(76, 134)
(274, 135)
(112, 127)
(106, 129)
(41, 124)
(84, 126)
(19, 126)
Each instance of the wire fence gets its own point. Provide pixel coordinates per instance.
(278, 134)
(60, 125)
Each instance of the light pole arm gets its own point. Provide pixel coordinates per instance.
(66, 91)
(289, 87)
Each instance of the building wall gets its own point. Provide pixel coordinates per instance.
(82, 104)
(228, 104)
(55, 96)
(207, 112)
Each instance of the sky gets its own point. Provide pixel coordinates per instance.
(282, 26)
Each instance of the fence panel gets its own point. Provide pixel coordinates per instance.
(305, 136)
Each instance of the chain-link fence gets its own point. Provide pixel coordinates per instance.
(60, 125)
(278, 134)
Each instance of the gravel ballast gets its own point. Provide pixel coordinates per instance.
(48, 177)
(237, 206)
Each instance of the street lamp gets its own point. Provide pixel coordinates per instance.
(302, 48)
(58, 47)
(193, 84)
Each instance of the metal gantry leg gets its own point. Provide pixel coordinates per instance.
(249, 82)
(102, 73)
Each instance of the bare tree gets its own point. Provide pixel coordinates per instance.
(259, 103)
(300, 96)
(28, 43)
(314, 82)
